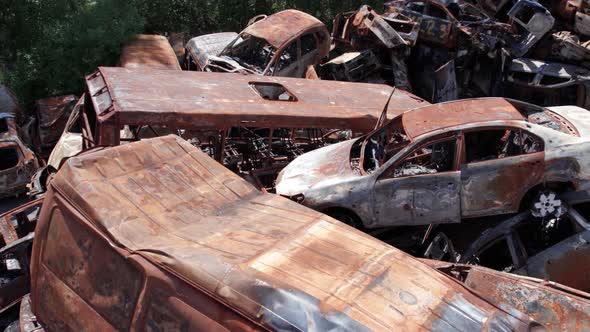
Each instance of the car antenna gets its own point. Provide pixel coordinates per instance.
(383, 116)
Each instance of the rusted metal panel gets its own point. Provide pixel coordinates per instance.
(149, 51)
(282, 27)
(460, 112)
(18, 164)
(175, 214)
(445, 83)
(52, 114)
(557, 307)
(201, 101)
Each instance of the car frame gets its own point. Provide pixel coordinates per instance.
(333, 179)
(283, 32)
(156, 235)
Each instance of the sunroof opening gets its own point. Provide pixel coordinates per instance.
(3, 125)
(272, 91)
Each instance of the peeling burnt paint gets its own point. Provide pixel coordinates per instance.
(557, 307)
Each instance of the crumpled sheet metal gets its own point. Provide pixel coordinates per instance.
(280, 264)
(52, 115)
(13, 180)
(556, 307)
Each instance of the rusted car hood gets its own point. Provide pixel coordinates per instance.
(322, 165)
(577, 116)
(281, 264)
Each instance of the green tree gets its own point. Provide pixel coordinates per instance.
(75, 37)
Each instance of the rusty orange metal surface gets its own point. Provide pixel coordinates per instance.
(52, 115)
(458, 113)
(149, 51)
(557, 307)
(18, 163)
(156, 233)
(284, 26)
(202, 100)
(19, 221)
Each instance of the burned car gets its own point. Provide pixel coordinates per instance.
(158, 236)
(447, 162)
(16, 242)
(551, 248)
(548, 83)
(266, 123)
(17, 162)
(557, 307)
(51, 115)
(283, 44)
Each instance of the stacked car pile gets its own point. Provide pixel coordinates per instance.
(157, 211)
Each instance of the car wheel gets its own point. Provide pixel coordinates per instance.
(547, 203)
(346, 217)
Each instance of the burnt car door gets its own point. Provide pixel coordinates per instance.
(437, 25)
(498, 166)
(422, 186)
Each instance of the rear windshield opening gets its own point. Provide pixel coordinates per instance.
(272, 91)
(3, 125)
(8, 158)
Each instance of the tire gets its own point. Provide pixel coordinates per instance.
(346, 217)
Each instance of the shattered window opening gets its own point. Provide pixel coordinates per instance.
(491, 144)
(273, 91)
(288, 57)
(308, 44)
(429, 159)
(251, 52)
(9, 158)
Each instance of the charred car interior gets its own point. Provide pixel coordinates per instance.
(423, 165)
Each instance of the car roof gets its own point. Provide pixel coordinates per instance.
(261, 253)
(149, 51)
(220, 100)
(283, 26)
(456, 113)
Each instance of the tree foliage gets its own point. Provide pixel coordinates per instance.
(47, 46)
(57, 42)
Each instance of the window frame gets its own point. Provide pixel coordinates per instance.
(387, 170)
(463, 148)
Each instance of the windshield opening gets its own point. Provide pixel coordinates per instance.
(251, 52)
(383, 144)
